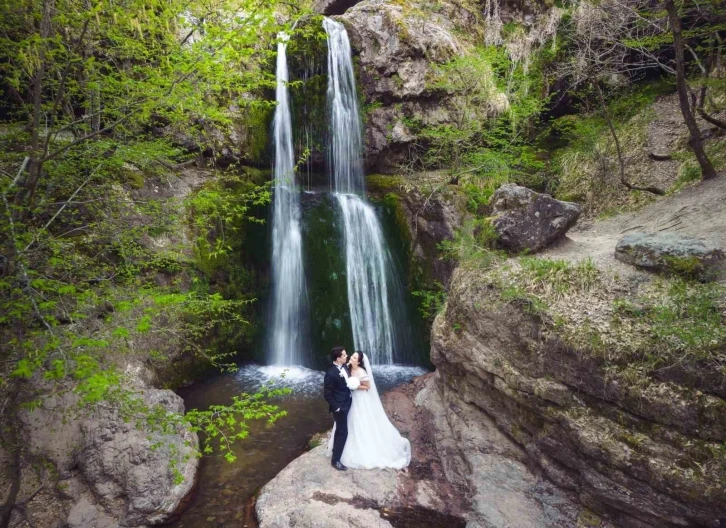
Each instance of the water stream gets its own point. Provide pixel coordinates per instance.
(345, 232)
(286, 342)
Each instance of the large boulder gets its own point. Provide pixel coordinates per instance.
(464, 472)
(309, 492)
(109, 470)
(142, 477)
(525, 220)
(671, 253)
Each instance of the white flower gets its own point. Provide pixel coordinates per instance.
(340, 373)
(353, 383)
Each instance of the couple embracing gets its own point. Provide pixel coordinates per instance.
(363, 437)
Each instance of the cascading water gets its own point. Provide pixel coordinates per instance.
(286, 342)
(374, 291)
(346, 140)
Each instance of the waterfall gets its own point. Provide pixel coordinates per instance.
(374, 292)
(346, 139)
(367, 264)
(286, 340)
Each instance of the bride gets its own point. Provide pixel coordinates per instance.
(373, 441)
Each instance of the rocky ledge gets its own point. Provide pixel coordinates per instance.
(581, 380)
(464, 472)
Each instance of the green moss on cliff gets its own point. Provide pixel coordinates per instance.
(378, 185)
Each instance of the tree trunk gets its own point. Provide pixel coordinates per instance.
(35, 165)
(618, 149)
(696, 142)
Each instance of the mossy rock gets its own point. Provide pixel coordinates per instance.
(380, 184)
(672, 254)
(316, 440)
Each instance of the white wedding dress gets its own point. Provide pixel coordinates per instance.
(373, 441)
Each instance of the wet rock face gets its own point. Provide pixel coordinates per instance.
(525, 220)
(671, 253)
(622, 449)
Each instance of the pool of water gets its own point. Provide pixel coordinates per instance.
(224, 493)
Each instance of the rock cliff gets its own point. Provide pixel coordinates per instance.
(399, 45)
(402, 48)
(580, 363)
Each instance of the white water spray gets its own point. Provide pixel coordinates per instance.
(286, 342)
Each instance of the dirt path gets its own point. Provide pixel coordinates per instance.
(698, 210)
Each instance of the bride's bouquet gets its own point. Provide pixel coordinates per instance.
(353, 382)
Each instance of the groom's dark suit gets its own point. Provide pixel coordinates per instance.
(339, 398)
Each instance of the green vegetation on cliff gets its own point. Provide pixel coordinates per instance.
(121, 240)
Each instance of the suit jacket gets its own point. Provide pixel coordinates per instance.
(335, 389)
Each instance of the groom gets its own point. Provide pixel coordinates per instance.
(338, 396)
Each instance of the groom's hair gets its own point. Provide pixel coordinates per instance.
(336, 352)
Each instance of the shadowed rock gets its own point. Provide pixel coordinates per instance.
(525, 220)
(670, 253)
(333, 7)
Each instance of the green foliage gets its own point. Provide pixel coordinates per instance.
(223, 425)
(496, 106)
(93, 266)
(431, 301)
(555, 277)
(473, 245)
(584, 160)
(220, 209)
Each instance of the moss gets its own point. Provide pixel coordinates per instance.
(380, 184)
(325, 267)
(134, 179)
(317, 440)
(393, 202)
(256, 175)
(687, 267)
(255, 121)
